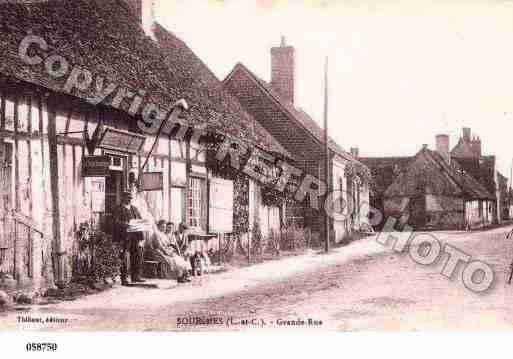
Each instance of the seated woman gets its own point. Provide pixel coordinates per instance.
(172, 265)
(181, 239)
(171, 238)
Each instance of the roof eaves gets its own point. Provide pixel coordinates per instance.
(277, 101)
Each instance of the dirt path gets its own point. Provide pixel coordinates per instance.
(361, 286)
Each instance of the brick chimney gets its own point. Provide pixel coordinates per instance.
(466, 134)
(144, 11)
(283, 70)
(442, 147)
(476, 146)
(354, 152)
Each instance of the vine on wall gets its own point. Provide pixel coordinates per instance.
(359, 172)
(223, 169)
(240, 204)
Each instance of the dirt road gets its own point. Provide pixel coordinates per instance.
(362, 286)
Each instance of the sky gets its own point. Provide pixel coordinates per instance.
(400, 72)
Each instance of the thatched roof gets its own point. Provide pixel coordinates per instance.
(104, 37)
(482, 169)
(428, 173)
(385, 170)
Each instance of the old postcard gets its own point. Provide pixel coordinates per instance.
(262, 166)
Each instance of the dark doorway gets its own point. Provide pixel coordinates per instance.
(115, 185)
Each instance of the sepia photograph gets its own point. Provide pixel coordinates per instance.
(257, 166)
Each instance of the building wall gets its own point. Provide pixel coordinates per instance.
(394, 206)
(291, 135)
(26, 183)
(268, 217)
(438, 212)
(339, 185)
(46, 134)
(444, 212)
(479, 213)
(297, 140)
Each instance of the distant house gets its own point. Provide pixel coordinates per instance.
(468, 153)
(433, 193)
(384, 171)
(47, 192)
(272, 105)
(442, 188)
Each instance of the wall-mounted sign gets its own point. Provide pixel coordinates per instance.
(98, 195)
(151, 181)
(178, 174)
(119, 140)
(95, 166)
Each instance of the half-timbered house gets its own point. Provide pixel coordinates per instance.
(69, 146)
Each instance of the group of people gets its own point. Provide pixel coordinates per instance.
(165, 246)
(169, 249)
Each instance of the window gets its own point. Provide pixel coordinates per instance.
(195, 201)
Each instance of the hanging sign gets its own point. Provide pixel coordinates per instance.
(119, 140)
(95, 166)
(151, 181)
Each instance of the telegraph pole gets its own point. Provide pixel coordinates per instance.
(327, 154)
(509, 189)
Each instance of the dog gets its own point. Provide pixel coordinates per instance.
(200, 263)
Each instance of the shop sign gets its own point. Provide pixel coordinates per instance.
(119, 140)
(95, 166)
(98, 195)
(151, 181)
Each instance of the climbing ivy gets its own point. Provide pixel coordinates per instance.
(359, 172)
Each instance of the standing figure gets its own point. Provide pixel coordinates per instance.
(131, 242)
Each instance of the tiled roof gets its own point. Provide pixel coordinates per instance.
(104, 37)
(295, 114)
(428, 173)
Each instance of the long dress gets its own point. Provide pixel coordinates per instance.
(172, 265)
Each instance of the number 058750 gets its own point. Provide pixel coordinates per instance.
(41, 347)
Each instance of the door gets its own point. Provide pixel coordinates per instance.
(115, 185)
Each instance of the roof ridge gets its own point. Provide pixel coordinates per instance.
(452, 172)
(162, 75)
(284, 104)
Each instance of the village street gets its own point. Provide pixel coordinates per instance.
(361, 286)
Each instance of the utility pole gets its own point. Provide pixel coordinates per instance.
(509, 189)
(327, 154)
